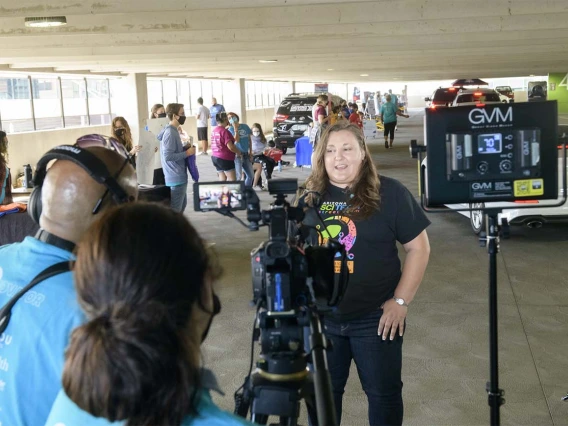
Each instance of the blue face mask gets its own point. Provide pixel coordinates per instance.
(232, 120)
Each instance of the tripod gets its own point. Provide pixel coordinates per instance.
(279, 383)
(491, 239)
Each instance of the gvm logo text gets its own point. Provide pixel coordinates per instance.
(482, 116)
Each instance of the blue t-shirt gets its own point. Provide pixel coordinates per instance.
(214, 110)
(66, 413)
(388, 111)
(32, 347)
(244, 134)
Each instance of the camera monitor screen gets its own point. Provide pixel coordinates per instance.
(219, 195)
(499, 152)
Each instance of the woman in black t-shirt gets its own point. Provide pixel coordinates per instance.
(368, 214)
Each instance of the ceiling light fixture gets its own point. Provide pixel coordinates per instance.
(364, 75)
(46, 21)
(532, 75)
(268, 61)
(330, 69)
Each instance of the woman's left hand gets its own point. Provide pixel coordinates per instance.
(392, 319)
(136, 149)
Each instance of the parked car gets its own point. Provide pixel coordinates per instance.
(506, 91)
(293, 118)
(476, 97)
(442, 97)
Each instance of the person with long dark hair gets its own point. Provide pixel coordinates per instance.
(368, 213)
(121, 132)
(149, 303)
(5, 178)
(260, 160)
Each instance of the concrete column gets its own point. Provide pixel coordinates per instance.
(132, 104)
(234, 98)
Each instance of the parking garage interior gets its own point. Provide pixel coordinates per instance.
(118, 57)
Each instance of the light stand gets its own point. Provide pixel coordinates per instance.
(491, 239)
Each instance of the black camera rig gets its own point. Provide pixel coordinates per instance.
(292, 285)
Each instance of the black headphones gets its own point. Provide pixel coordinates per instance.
(83, 158)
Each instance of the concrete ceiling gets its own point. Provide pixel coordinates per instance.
(388, 39)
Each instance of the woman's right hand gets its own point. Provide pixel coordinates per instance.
(189, 152)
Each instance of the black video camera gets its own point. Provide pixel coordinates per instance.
(290, 285)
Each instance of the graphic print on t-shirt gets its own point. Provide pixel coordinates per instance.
(340, 228)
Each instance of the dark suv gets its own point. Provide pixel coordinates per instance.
(293, 118)
(444, 96)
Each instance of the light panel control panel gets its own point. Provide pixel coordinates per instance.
(511, 154)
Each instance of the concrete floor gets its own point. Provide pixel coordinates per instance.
(446, 354)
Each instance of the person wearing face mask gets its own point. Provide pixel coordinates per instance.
(243, 160)
(158, 111)
(173, 154)
(136, 360)
(121, 132)
(223, 149)
(260, 160)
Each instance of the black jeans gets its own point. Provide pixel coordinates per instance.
(379, 365)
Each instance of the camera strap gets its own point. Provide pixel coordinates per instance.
(6, 311)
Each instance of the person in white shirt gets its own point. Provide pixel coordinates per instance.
(202, 117)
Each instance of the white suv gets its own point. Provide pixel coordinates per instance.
(476, 97)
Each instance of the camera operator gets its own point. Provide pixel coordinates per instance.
(137, 357)
(32, 346)
(368, 214)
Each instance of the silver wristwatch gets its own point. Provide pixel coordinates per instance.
(400, 301)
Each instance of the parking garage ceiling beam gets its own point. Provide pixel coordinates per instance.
(306, 36)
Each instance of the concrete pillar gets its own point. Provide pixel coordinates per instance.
(132, 102)
(234, 98)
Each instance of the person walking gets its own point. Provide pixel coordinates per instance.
(389, 112)
(202, 116)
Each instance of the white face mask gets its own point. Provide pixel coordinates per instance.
(256, 133)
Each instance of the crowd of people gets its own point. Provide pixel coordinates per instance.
(113, 327)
